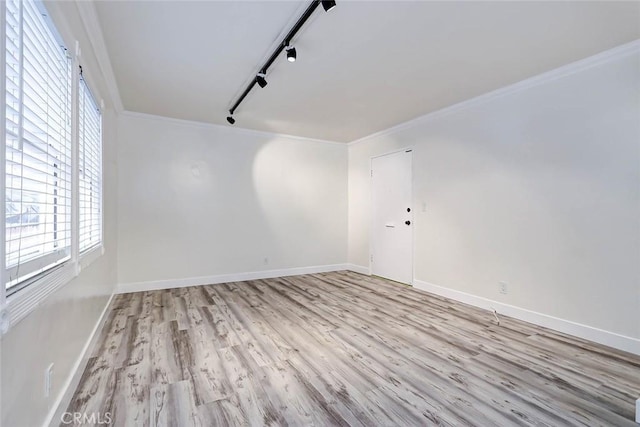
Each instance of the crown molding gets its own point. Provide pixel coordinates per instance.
(91, 23)
(549, 76)
(224, 128)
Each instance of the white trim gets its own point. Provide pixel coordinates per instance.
(75, 153)
(4, 324)
(124, 288)
(358, 269)
(74, 377)
(638, 411)
(555, 74)
(611, 339)
(26, 300)
(203, 125)
(92, 28)
(394, 151)
(89, 256)
(102, 164)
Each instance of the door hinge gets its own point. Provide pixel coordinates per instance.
(371, 258)
(371, 173)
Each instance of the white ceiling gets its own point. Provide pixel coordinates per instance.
(363, 67)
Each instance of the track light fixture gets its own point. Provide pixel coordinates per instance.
(328, 5)
(291, 52)
(260, 79)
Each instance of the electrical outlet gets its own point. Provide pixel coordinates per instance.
(48, 377)
(502, 288)
(4, 320)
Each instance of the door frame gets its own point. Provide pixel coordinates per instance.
(413, 211)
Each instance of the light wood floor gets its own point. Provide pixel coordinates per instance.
(342, 349)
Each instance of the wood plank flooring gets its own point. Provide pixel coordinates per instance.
(342, 349)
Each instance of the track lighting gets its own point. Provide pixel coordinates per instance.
(260, 79)
(291, 54)
(328, 5)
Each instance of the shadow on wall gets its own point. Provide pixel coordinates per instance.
(215, 186)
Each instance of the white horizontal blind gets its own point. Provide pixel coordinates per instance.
(38, 145)
(90, 169)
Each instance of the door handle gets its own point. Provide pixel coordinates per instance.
(390, 226)
(408, 222)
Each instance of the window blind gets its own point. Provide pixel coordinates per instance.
(38, 145)
(90, 169)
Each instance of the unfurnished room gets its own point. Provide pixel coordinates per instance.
(320, 213)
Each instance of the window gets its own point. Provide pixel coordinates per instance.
(52, 160)
(38, 145)
(90, 169)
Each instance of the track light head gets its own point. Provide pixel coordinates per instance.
(262, 82)
(328, 5)
(291, 54)
(260, 77)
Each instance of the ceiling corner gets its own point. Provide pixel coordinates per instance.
(91, 23)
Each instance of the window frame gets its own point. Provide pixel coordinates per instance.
(17, 304)
(43, 105)
(83, 253)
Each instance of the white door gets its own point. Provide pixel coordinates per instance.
(392, 236)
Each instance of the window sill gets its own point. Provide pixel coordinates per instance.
(89, 257)
(19, 305)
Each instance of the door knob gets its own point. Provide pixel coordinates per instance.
(408, 222)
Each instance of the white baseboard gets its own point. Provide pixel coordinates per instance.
(225, 278)
(358, 269)
(69, 387)
(611, 339)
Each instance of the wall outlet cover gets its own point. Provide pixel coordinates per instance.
(503, 288)
(48, 375)
(4, 320)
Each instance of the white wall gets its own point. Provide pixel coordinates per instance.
(201, 200)
(539, 187)
(57, 330)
